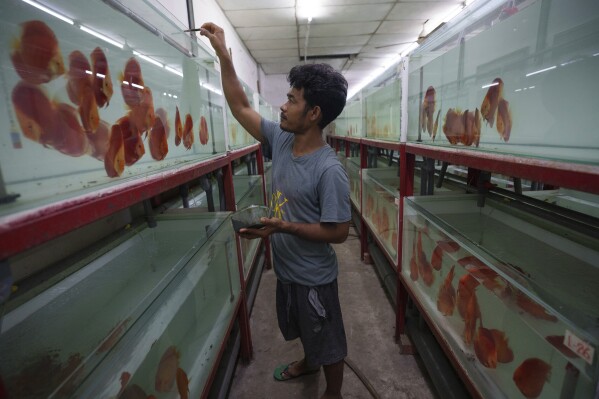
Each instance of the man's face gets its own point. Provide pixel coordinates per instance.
(295, 112)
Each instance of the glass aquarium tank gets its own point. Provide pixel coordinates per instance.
(514, 296)
(238, 136)
(248, 191)
(578, 201)
(382, 111)
(151, 307)
(512, 81)
(352, 166)
(96, 95)
(268, 111)
(353, 118)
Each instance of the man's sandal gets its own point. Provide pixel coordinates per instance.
(282, 372)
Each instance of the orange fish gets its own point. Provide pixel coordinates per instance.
(133, 392)
(34, 111)
(428, 110)
(188, 132)
(101, 80)
(453, 127)
(436, 126)
(424, 267)
(466, 288)
(182, 384)
(203, 131)
(491, 101)
(504, 352)
(114, 336)
(558, 342)
(484, 348)
(35, 54)
(504, 120)
(470, 318)
(178, 128)
(471, 128)
(413, 263)
(68, 136)
(446, 297)
(88, 111)
(114, 160)
(533, 308)
(481, 272)
(167, 370)
(157, 141)
(132, 83)
(440, 248)
(530, 376)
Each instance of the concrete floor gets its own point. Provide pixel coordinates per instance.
(370, 327)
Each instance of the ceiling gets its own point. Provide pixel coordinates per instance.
(356, 37)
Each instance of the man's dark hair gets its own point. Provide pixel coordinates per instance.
(323, 86)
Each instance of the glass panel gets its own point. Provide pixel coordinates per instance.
(382, 111)
(238, 136)
(505, 289)
(353, 114)
(83, 114)
(516, 87)
(379, 209)
(159, 287)
(352, 166)
(248, 191)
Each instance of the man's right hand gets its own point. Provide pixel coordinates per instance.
(216, 35)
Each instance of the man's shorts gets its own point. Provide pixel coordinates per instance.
(313, 314)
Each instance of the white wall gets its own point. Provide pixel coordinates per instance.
(274, 89)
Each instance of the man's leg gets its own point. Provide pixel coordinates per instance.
(334, 376)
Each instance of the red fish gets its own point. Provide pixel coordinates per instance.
(134, 146)
(132, 83)
(36, 55)
(182, 384)
(504, 352)
(114, 160)
(530, 376)
(178, 128)
(491, 101)
(533, 308)
(102, 82)
(466, 288)
(99, 141)
(203, 131)
(68, 135)
(504, 120)
(142, 116)
(471, 128)
(188, 132)
(167, 370)
(428, 110)
(157, 141)
(81, 92)
(558, 342)
(481, 272)
(161, 113)
(424, 267)
(446, 297)
(484, 348)
(34, 111)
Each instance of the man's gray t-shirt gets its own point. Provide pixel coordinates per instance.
(311, 188)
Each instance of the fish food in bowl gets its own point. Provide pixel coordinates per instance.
(249, 217)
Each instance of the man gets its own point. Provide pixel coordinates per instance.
(311, 210)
